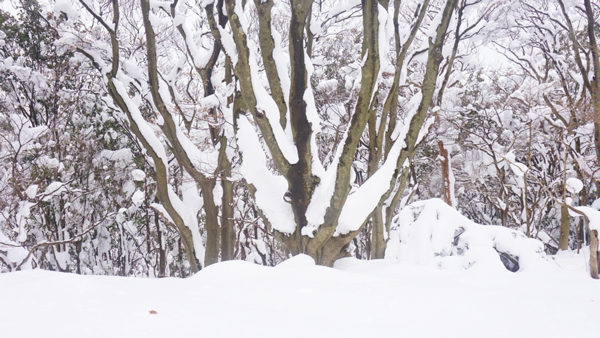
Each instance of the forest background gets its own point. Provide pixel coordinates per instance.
(154, 138)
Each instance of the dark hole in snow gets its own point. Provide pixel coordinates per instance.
(550, 249)
(457, 234)
(510, 262)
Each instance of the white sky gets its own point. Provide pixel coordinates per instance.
(7, 6)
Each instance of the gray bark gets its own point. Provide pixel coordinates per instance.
(594, 254)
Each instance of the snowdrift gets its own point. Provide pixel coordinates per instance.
(297, 299)
(433, 233)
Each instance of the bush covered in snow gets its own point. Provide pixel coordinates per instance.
(433, 233)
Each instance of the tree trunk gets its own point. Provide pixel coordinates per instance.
(162, 259)
(594, 254)
(378, 242)
(565, 227)
(445, 174)
(594, 84)
(300, 178)
(334, 247)
(325, 246)
(324, 241)
(227, 231)
(211, 223)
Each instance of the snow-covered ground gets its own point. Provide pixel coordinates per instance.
(382, 298)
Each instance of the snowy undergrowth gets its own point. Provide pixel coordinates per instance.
(433, 233)
(11, 253)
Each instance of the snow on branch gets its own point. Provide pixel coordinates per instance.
(267, 106)
(270, 188)
(360, 204)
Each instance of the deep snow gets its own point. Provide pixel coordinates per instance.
(382, 298)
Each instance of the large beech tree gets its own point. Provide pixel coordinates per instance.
(261, 101)
(314, 209)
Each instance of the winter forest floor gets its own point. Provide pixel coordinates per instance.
(298, 299)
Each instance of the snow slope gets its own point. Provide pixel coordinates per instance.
(298, 299)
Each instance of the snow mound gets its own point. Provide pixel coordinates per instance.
(232, 270)
(433, 233)
(378, 298)
(301, 268)
(297, 261)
